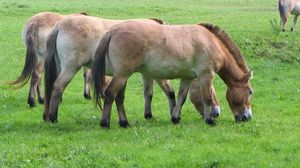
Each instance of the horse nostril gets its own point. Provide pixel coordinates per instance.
(216, 111)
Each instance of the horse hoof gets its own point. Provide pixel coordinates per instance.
(283, 30)
(87, 96)
(31, 103)
(45, 118)
(41, 100)
(210, 122)
(124, 123)
(292, 29)
(148, 116)
(53, 118)
(175, 120)
(104, 124)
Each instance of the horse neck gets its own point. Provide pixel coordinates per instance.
(230, 72)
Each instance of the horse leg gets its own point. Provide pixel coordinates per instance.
(87, 83)
(35, 80)
(294, 23)
(111, 92)
(215, 109)
(123, 122)
(148, 94)
(40, 69)
(283, 22)
(59, 86)
(166, 86)
(183, 90)
(207, 97)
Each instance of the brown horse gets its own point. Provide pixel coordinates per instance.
(72, 45)
(172, 51)
(35, 34)
(287, 7)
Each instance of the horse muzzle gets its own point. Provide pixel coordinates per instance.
(245, 115)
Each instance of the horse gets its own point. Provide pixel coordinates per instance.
(287, 7)
(72, 45)
(185, 52)
(35, 34)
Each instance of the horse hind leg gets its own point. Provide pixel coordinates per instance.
(87, 83)
(294, 23)
(166, 86)
(111, 93)
(148, 94)
(35, 84)
(283, 22)
(40, 69)
(123, 121)
(182, 94)
(59, 86)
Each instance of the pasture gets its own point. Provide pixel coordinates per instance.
(270, 139)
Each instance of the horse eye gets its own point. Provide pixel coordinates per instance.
(250, 92)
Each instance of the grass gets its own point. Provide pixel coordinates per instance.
(271, 139)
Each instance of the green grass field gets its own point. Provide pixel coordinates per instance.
(271, 139)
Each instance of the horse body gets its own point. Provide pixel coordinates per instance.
(72, 45)
(287, 7)
(167, 52)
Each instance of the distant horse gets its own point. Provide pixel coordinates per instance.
(172, 51)
(287, 7)
(35, 34)
(72, 45)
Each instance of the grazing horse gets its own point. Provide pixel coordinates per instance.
(287, 7)
(35, 34)
(72, 45)
(167, 52)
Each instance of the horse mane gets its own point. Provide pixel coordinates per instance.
(159, 21)
(228, 42)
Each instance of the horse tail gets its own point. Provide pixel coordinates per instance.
(30, 34)
(51, 65)
(282, 10)
(98, 70)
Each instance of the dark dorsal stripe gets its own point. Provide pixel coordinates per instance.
(228, 42)
(159, 21)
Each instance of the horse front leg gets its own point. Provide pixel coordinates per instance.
(196, 99)
(294, 23)
(148, 94)
(182, 94)
(207, 98)
(87, 83)
(111, 93)
(166, 86)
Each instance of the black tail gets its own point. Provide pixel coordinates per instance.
(51, 67)
(98, 70)
(31, 38)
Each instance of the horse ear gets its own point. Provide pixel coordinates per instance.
(249, 76)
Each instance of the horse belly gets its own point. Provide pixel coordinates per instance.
(296, 10)
(168, 69)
